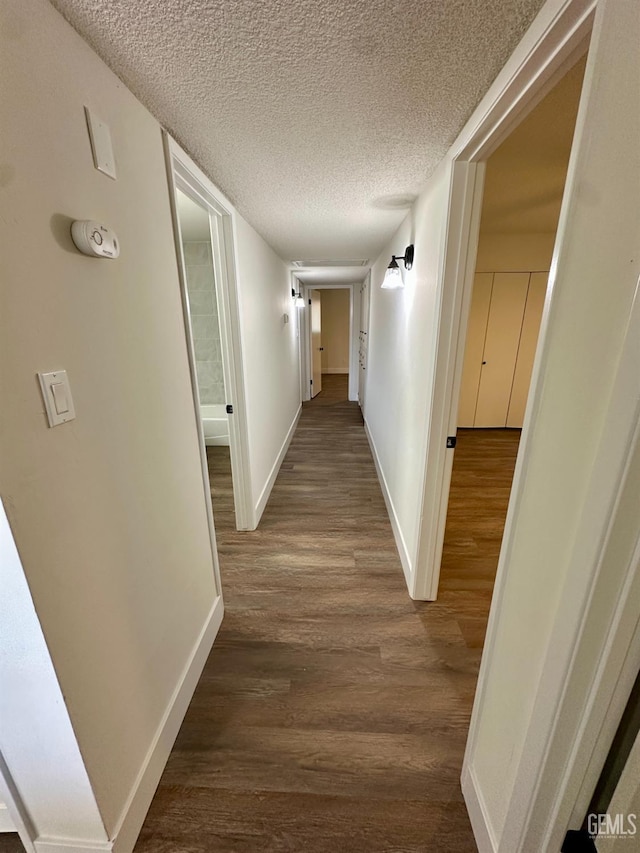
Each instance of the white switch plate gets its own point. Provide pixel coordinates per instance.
(56, 394)
(101, 147)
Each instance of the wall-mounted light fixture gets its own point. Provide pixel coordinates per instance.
(393, 275)
(299, 300)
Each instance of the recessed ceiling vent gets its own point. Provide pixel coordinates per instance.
(311, 264)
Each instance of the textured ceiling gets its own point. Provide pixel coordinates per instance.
(319, 119)
(526, 174)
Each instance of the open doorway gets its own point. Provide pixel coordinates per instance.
(328, 341)
(523, 191)
(204, 241)
(204, 318)
(330, 321)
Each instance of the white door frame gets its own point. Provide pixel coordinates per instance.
(305, 334)
(186, 176)
(561, 41)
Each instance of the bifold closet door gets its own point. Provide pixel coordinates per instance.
(474, 348)
(527, 348)
(506, 313)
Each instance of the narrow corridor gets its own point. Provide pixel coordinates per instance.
(333, 711)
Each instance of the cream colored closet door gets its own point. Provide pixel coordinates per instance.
(474, 348)
(527, 348)
(508, 299)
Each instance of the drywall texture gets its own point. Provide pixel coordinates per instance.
(205, 326)
(401, 356)
(281, 101)
(269, 352)
(336, 320)
(107, 511)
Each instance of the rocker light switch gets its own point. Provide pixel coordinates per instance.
(56, 394)
(60, 398)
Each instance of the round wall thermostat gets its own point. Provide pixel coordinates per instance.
(94, 239)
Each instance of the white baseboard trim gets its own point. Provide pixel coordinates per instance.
(6, 824)
(341, 370)
(137, 806)
(71, 845)
(144, 788)
(401, 545)
(264, 495)
(480, 823)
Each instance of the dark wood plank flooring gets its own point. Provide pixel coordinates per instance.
(333, 711)
(478, 499)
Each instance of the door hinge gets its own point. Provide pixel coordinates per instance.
(229, 409)
(578, 841)
(311, 382)
(309, 302)
(451, 441)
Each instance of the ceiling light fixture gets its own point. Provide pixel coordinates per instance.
(299, 300)
(393, 276)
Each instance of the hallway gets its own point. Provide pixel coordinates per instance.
(333, 710)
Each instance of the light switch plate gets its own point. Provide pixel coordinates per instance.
(56, 394)
(101, 147)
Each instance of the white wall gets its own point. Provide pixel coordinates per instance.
(336, 323)
(402, 335)
(270, 354)
(108, 511)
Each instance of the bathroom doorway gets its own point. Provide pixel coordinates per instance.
(195, 232)
(206, 260)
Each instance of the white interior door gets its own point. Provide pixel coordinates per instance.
(316, 343)
(508, 299)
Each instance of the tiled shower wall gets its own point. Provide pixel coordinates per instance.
(204, 321)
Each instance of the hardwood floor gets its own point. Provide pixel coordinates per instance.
(480, 487)
(333, 711)
(335, 389)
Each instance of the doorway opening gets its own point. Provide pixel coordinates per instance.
(524, 185)
(329, 341)
(204, 318)
(330, 318)
(204, 242)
